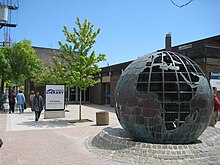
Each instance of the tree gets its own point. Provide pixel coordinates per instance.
(5, 69)
(50, 75)
(77, 64)
(24, 62)
(18, 63)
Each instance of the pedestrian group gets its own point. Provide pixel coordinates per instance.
(36, 102)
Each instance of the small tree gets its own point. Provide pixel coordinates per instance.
(77, 63)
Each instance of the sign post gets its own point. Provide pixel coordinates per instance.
(54, 101)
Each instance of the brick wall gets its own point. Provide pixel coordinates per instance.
(97, 91)
(209, 68)
(97, 94)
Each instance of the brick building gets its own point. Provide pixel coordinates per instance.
(46, 55)
(205, 52)
(71, 94)
(103, 92)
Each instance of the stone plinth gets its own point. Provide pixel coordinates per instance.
(54, 114)
(116, 144)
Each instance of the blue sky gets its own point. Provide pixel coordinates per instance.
(129, 28)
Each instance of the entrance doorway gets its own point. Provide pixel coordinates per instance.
(107, 93)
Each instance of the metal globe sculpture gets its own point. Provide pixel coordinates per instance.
(164, 97)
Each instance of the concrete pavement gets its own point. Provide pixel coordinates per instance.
(25, 121)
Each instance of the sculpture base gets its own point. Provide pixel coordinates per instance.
(113, 143)
(54, 114)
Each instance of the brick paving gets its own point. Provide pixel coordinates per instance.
(48, 146)
(53, 142)
(113, 143)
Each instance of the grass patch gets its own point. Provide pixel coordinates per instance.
(80, 121)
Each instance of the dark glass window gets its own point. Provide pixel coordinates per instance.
(156, 77)
(156, 87)
(183, 116)
(170, 87)
(185, 87)
(185, 96)
(171, 116)
(156, 69)
(171, 107)
(170, 77)
(143, 77)
(170, 97)
(142, 86)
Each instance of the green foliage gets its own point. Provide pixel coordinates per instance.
(5, 61)
(49, 75)
(19, 63)
(25, 63)
(77, 63)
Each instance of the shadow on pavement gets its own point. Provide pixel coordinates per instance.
(101, 107)
(47, 124)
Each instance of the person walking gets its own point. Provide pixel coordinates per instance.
(38, 104)
(31, 99)
(21, 101)
(11, 98)
(215, 115)
(1, 142)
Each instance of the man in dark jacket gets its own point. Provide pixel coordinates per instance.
(38, 104)
(11, 98)
(1, 142)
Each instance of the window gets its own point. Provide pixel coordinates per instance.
(213, 61)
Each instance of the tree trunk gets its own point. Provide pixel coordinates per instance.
(80, 104)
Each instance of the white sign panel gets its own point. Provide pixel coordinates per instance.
(55, 95)
(215, 83)
(215, 80)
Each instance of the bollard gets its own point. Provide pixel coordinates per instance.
(102, 118)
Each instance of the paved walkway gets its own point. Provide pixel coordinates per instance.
(25, 121)
(51, 142)
(57, 142)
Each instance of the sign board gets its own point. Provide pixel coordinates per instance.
(54, 99)
(215, 80)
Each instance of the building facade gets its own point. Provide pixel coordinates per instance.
(71, 94)
(103, 92)
(205, 52)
